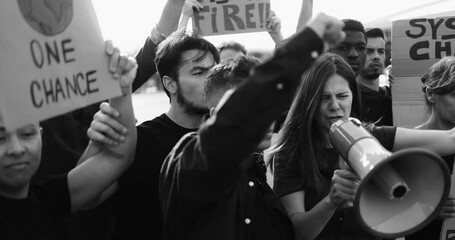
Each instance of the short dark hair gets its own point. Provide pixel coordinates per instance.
(232, 45)
(353, 25)
(374, 33)
(169, 53)
(229, 74)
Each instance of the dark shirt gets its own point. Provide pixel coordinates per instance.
(138, 201)
(210, 188)
(343, 224)
(377, 106)
(40, 216)
(64, 141)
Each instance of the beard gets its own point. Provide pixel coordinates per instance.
(190, 107)
(370, 74)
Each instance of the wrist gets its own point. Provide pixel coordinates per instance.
(330, 204)
(156, 35)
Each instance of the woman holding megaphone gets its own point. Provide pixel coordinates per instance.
(316, 193)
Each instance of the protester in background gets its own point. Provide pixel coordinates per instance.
(439, 88)
(37, 211)
(209, 185)
(316, 193)
(353, 48)
(376, 99)
(231, 49)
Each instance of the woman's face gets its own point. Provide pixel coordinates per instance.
(444, 108)
(335, 104)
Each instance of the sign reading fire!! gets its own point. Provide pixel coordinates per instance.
(219, 17)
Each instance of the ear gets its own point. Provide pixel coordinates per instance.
(170, 84)
(429, 95)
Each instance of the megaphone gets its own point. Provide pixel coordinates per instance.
(399, 193)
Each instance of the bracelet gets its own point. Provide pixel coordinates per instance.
(156, 35)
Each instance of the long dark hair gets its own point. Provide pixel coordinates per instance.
(299, 139)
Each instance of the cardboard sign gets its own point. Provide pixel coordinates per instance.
(219, 17)
(52, 60)
(421, 41)
(416, 45)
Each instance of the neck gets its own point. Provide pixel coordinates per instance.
(372, 84)
(435, 122)
(21, 193)
(178, 115)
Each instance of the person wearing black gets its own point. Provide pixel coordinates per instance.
(376, 99)
(38, 210)
(210, 188)
(183, 62)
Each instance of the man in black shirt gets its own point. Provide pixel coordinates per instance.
(376, 99)
(183, 62)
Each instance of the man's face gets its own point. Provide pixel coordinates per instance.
(193, 73)
(20, 156)
(353, 50)
(374, 63)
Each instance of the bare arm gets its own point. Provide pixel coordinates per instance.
(306, 11)
(274, 27)
(89, 179)
(187, 12)
(439, 141)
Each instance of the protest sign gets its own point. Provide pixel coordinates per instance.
(416, 45)
(53, 60)
(219, 17)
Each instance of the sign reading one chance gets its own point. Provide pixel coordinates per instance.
(231, 16)
(53, 60)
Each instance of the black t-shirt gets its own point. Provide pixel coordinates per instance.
(40, 215)
(139, 206)
(377, 106)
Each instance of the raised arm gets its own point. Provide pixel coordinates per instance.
(274, 27)
(246, 116)
(88, 180)
(187, 12)
(306, 11)
(166, 25)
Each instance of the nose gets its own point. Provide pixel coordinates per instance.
(15, 146)
(353, 53)
(376, 55)
(334, 105)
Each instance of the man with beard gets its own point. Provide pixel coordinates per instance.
(376, 100)
(182, 62)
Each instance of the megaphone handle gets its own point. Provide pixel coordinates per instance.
(448, 225)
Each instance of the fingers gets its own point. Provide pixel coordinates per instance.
(105, 128)
(109, 116)
(128, 75)
(448, 210)
(328, 29)
(344, 187)
(102, 134)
